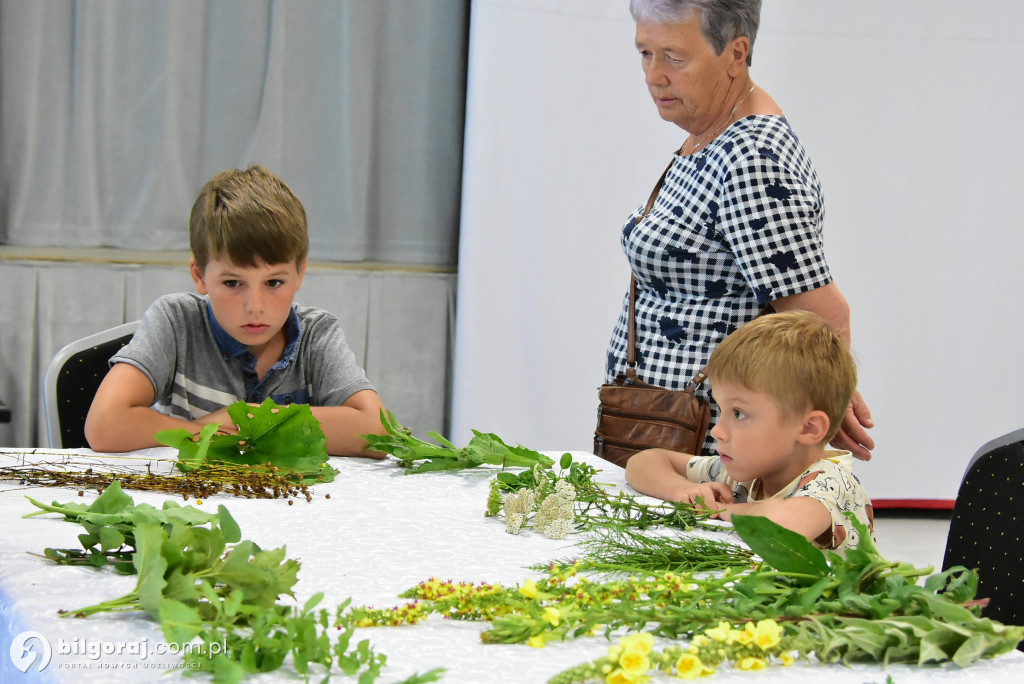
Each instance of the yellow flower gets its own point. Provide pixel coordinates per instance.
(743, 636)
(720, 633)
(614, 651)
(699, 641)
(750, 663)
(552, 615)
(634, 663)
(767, 634)
(537, 641)
(620, 676)
(529, 589)
(643, 642)
(787, 659)
(689, 666)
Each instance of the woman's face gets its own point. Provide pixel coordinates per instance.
(688, 81)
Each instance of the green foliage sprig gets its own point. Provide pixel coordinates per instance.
(285, 440)
(483, 448)
(201, 581)
(622, 549)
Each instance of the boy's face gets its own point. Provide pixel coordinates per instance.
(756, 439)
(251, 303)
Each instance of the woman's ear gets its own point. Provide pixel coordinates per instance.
(815, 428)
(197, 276)
(737, 51)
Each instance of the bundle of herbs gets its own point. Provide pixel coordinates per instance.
(246, 481)
(620, 533)
(201, 581)
(286, 441)
(420, 456)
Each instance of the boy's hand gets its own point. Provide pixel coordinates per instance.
(709, 493)
(227, 427)
(723, 512)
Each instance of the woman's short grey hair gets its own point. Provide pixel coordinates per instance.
(720, 20)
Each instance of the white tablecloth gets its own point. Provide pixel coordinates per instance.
(380, 533)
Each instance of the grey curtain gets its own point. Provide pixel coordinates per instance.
(113, 113)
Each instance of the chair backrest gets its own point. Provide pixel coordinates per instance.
(72, 379)
(987, 527)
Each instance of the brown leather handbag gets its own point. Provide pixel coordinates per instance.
(634, 415)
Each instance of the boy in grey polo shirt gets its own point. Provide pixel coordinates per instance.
(241, 337)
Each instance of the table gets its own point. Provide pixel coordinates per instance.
(380, 533)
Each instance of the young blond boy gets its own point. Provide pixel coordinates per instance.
(783, 383)
(239, 337)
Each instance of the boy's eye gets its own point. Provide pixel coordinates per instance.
(232, 283)
(275, 283)
(738, 414)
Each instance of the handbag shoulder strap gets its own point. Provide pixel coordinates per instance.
(631, 327)
(701, 375)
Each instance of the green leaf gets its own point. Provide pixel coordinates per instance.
(938, 645)
(150, 565)
(227, 671)
(110, 538)
(179, 623)
(941, 607)
(970, 650)
(199, 547)
(228, 527)
(312, 601)
(783, 549)
(191, 449)
(440, 439)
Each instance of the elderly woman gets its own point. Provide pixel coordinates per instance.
(737, 219)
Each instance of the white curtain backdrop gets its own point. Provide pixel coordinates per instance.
(907, 110)
(113, 113)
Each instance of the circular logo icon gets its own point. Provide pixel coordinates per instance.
(29, 647)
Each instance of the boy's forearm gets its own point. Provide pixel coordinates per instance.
(805, 515)
(130, 429)
(344, 426)
(654, 472)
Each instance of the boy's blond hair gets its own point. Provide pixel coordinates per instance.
(796, 358)
(247, 216)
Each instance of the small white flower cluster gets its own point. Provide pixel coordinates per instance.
(517, 507)
(555, 514)
(555, 518)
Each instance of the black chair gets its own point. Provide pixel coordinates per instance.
(987, 527)
(71, 382)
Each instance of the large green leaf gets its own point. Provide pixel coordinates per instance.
(783, 549)
(288, 438)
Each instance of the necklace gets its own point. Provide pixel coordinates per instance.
(712, 134)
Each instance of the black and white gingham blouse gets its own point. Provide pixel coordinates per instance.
(734, 227)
